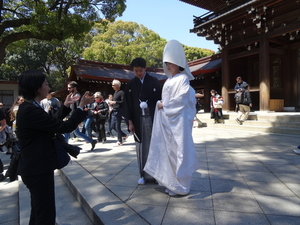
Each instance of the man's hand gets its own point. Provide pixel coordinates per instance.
(131, 126)
(160, 105)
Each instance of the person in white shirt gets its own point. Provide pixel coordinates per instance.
(50, 104)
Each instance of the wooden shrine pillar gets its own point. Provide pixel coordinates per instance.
(207, 88)
(264, 74)
(225, 78)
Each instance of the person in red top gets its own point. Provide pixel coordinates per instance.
(216, 102)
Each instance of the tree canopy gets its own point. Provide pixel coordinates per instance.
(54, 58)
(112, 42)
(120, 42)
(52, 19)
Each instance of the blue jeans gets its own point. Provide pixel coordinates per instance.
(116, 118)
(87, 125)
(78, 134)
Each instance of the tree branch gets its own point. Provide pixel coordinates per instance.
(5, 41)
(12, 11)
(54, 5)
(1, 6)
(67, 6)
(13, 23)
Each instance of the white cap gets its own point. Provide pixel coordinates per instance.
(174, 53)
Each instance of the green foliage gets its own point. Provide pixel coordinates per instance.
(54, 58)
(193, 53)
(56, 80)
(24, 55)
(120, 42)
(52, 19)
(8, 73)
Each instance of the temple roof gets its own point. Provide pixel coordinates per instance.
(87, 69)
(211, 5)
(93, 70)
(239, 24)
(209, 64)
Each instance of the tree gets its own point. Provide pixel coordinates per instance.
(193, 53)
(120, 42)
(52, 19)
(54, 58)
(23, 55)
(63, 56)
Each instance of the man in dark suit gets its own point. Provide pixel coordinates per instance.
(144, 91)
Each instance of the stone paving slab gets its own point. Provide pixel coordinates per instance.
(245, 178)
(68, 210)
(100, 204)
(228, 189)
(242, 176)
(9, 210)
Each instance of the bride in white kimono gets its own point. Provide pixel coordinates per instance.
(172, 157)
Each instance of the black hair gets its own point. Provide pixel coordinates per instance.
(73, 83)
(181, 69)
(213, 91)
(29, 83)
(138, 62)
(246, 86)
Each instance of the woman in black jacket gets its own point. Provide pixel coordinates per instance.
(100, 111)
(35, 131)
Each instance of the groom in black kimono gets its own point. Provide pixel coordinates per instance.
(141, 94)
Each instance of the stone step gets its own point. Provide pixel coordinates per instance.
(268, 122)
(280, 130)
(282, 117)
(256, 123)
(96, 199)
(9, 212)
(68, 209)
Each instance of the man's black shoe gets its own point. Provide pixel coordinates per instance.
(93, 144)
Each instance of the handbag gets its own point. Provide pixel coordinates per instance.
(103, 116)
(64, 150)
(11, 171)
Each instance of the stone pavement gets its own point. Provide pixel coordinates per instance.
(245, 178)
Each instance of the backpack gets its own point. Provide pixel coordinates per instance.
(239, 97)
